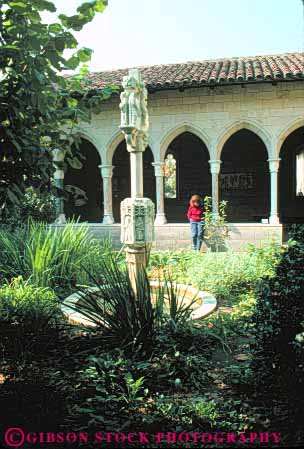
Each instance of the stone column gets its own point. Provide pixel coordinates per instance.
(136, 167)
(58, 162)
(160, 199)
(274, 168)
(215, 166)
(106, 173)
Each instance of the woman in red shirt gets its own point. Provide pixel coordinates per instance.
(195, 216)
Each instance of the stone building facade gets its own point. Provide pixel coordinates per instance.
(235, 130)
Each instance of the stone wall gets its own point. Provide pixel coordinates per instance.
(177, 236)
(272, 111)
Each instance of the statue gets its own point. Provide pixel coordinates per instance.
(134, 111)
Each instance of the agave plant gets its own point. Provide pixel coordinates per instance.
(172, 304)
(129, 318)
(124, 315)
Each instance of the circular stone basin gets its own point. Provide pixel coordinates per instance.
(204, 304)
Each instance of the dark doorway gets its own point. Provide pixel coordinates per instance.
(192, 173)
(121, 181)
(291, 198)
(245, 178)
(88, 178)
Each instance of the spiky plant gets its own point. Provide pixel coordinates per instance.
(124, 315)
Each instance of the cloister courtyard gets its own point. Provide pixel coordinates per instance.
(151, 227)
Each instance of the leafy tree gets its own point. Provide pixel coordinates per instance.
(39, 105)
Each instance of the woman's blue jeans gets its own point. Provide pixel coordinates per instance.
(196, 234)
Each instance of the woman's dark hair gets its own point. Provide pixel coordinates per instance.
(196, 199)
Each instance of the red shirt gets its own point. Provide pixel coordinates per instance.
(195, 213)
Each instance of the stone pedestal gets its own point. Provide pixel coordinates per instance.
(137, 233)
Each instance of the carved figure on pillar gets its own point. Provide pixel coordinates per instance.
(134, 111)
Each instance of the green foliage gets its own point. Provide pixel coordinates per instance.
(216, 230)
(280, 312)
(172, 305)
(126, 317)
(29, 317)
(278, 321)
(106, 386)
(49, 256)
(35, 205)
(40, 107)
(225, 274)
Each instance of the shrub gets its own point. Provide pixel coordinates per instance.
(29, 318)
(216, 230)
(225, 274)
(278, 358)
(36, 206)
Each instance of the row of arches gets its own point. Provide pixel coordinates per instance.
(272, 143)
(244, 178)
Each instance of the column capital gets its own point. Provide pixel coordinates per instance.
(106, 170)
(158, 168)
(215, 166)
(274, 165)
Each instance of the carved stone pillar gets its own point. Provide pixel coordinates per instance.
(58, 162)
(137, 213)
(274, 169)
(106, 173)
(215, 166)
(137, 232)
(160, 198)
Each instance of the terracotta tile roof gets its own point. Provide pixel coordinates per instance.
(269, 68)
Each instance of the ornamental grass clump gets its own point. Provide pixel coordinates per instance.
(50, 256)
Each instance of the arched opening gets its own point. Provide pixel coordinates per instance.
(88, 179)
(189, 174)
(121, 181)
(244, 178)
(291, 178)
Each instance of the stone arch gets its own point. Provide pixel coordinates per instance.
(245, 178)
(111, 146)
(290, 128)
(256, 128)
(188, 147)
(116, 140)
(178, 130)
(90, 138)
